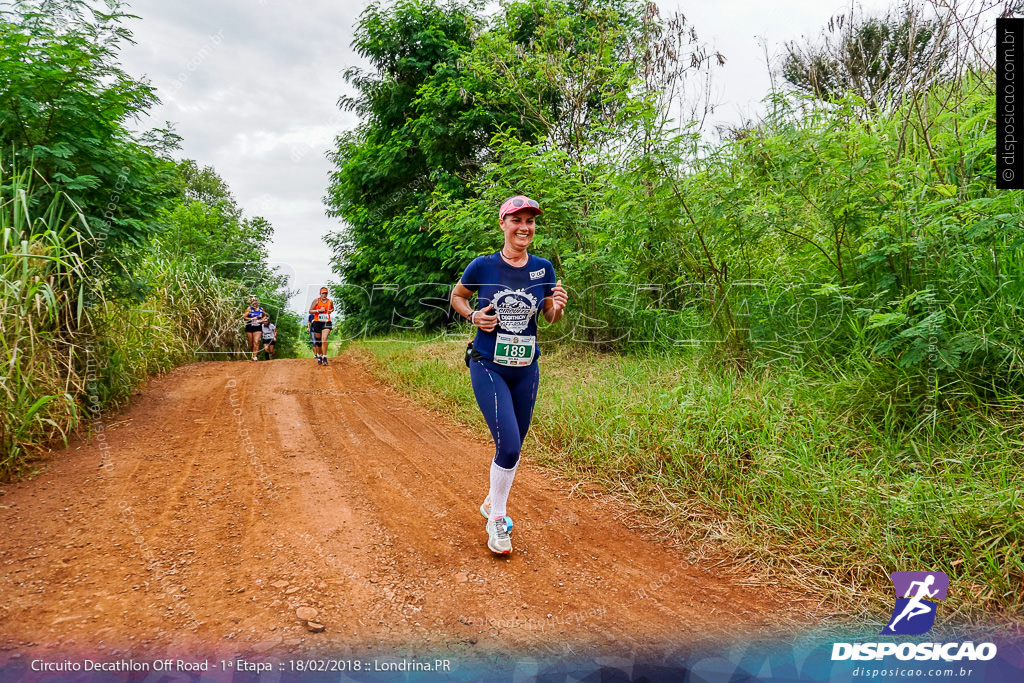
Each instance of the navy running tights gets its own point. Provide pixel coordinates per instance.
(506, 397)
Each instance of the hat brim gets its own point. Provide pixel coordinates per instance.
(535, 210)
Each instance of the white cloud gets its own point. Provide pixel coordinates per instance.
(251, 87)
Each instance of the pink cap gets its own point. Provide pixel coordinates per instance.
(517, 204)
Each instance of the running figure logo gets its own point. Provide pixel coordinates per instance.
(917, 596)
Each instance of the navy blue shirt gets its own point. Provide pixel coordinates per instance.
(517, 294)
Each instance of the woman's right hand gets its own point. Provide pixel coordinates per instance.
(486, 322)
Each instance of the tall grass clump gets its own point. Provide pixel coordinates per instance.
(69, 349)
(43, 320)
(187, 310)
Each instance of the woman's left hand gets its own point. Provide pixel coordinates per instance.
(559, 298)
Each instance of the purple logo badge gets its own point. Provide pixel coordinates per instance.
(917, 596)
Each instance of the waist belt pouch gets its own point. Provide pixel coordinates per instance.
(471, 353)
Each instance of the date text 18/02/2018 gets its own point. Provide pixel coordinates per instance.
(369, 665)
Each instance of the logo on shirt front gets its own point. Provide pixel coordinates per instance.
(514, 309)
(536, 274)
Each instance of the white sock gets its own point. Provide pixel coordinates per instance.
(501, 484)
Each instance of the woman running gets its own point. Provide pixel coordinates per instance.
(254, 318)
(511, 287)
(321, 310)
(269, 339)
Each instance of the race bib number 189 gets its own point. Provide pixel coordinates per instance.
(514, 350)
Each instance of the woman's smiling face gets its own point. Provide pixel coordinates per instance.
(519, 228)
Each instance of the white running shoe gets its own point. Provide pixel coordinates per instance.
(498, 539)
(485, 510)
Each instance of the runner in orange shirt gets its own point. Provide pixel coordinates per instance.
(321, 310)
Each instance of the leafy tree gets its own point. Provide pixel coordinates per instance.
(205, 185)
(205, 226)
(207, 223)
(418, 133)
(595, 79)
(64, 103)
(443, 98)
(567, 68)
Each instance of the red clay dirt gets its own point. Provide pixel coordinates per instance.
(168, 536)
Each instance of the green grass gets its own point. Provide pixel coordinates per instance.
(798, 471)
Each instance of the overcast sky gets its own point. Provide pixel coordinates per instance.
(252, 87)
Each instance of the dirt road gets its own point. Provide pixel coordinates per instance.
(228, 495)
